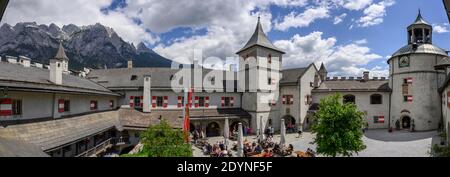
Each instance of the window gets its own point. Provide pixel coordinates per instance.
(159, 101)
(349, 99)
(269, 81)
(66, 105)
(269, 59)
(111, 103)
(137, 101)
(94, 105)
(134, 77)
(288, 99)
(376, 99)
(201, 101)
(227, 101)
(16, 107)
(378, 119)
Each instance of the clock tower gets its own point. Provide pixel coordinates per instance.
(415, 81)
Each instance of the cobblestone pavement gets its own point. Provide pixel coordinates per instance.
(380, 143)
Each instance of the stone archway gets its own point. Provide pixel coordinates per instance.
(405, 122)
(289, 122)
(192, 127)
(212, 129)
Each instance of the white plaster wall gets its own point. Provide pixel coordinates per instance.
(362, 101)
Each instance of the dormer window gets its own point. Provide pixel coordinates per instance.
(133, 77)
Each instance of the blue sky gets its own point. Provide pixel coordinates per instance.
(308, 30)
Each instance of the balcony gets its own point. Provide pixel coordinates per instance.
(103, 147)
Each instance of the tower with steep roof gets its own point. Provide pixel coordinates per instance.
(259, 74)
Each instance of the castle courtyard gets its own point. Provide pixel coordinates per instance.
(379, 142)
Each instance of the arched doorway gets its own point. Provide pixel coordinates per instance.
(192, 127)
(213, 129)
(406, 122)
(289, 122)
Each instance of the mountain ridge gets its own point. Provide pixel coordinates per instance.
(95, 46)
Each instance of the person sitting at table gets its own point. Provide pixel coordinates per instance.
(258, 149)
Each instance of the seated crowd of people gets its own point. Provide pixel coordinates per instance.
(218, 149)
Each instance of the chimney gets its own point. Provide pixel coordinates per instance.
(11, 59)
(335, 78)
(351, 78)
(56, 70)
(147, 94)
(24, 61)
(130, 63)
(375, 78)
(366, 75)
(383, 78)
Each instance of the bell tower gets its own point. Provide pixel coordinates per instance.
(259, 74)
(420, 32)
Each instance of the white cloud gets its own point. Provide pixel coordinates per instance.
(374, 14)
(440, 28)
(339, 19)
(312, 48)
(361, 41)
(356, 4)
(78, 12)
(303, 19)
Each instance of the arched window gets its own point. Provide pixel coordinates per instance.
(349, 99)
(376, 99)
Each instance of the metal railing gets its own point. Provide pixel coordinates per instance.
(93, 152)
(102, 147)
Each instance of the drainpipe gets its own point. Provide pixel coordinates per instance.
(390, 94)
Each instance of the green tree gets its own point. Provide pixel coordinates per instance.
(338, 128)
(163, 141)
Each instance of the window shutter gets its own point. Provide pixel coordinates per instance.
(409, 80)
(292, 99)
(154, 101)
(448, 99)
(179, 102)
(207, 101)
(61, 105)
(196, 101)
(5, 107)
(380, 119)
(284, 99)
(232, 101)
(223, 101)
(410, 98)
(142, 101)
(166, 101)
(131, 101)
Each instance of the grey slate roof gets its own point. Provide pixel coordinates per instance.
(61, 54)
(421, 48)
(131, 118)
(353, 85)
(16, 76)
(51, 134)
(259, 38)
(292, 76)
(121, 78)
(10, 147)
(420, 21)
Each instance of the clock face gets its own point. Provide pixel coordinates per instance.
(403, 62)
